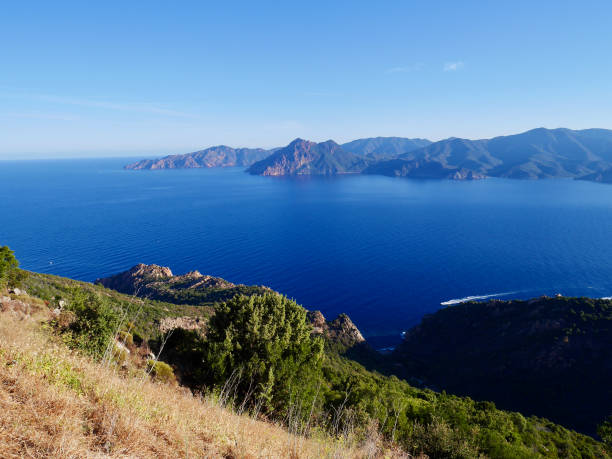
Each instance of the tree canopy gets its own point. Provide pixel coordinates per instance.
(8, 266)
(260, 347)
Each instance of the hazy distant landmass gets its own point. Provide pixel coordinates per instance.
(604, 176)
(535, 154)
(219, 156)
(384, 145)
(343, 158)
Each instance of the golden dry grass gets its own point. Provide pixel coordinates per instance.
(56, 403)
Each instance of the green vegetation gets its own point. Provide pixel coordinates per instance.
(175, 294)
(523, 355)
(605, 431)
(10, 275)
(258, 352)
(93, 322)
(161, 371)
(264, 344)
(244, 349)
(145, 314)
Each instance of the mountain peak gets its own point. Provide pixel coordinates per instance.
(304, 157)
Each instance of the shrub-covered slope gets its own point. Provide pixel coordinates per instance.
(547, 356)
(263, 356)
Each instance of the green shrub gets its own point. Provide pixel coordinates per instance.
(605, 431)
(161, 371)
(261, 347)
(94, 322)
(126, 338)
(8, 266)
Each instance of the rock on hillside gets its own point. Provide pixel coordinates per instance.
(341, 332)
(150, 280)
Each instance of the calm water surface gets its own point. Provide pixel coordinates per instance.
(384, 250)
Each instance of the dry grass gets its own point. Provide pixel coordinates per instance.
(56, 403)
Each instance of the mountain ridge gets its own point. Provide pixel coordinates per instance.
(534, 154)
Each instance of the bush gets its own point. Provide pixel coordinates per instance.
(8, 266)
(605, 431)
(260, 347)
(161, 371)
(94, 322)
(126, 338)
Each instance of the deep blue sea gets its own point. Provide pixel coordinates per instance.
(383, 250)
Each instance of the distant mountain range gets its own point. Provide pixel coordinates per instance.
(329, 158)
(535, 154)
(539, 153)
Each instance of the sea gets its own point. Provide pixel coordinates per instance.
(386, 251)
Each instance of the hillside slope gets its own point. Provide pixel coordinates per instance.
(550, 357)
(57, 403)
(370, 413)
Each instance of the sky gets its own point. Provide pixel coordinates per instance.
(148, 78)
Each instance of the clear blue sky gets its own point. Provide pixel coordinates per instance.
(147, 77)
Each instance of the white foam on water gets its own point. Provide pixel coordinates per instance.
(475, 297)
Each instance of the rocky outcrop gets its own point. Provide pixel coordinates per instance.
(340, 331)
(142, 279)
(159, 283)
(185, 323)
(135, 280)
(17, 308)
